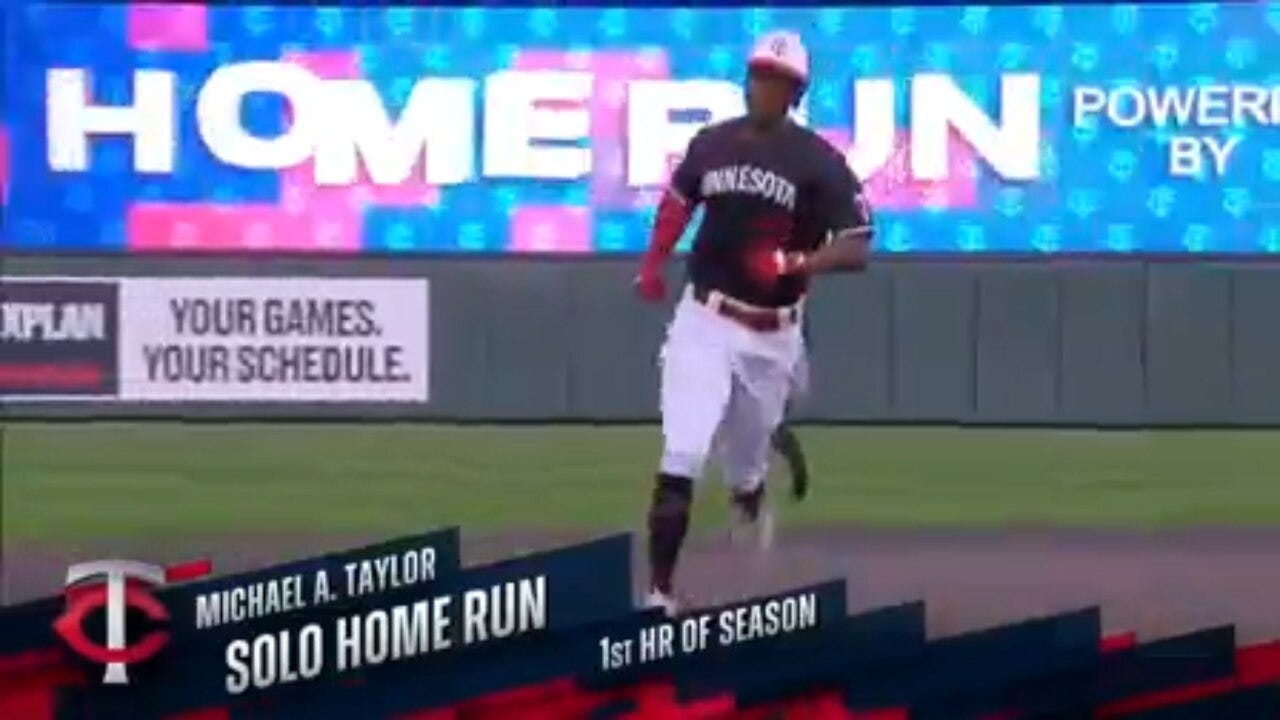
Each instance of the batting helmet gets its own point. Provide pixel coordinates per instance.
(783, 52)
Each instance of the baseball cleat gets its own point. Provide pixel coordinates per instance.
(753, 520)
(666, 602)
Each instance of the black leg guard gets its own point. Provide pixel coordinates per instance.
(668, 525)
(787, 445)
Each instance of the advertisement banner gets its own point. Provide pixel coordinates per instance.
(58, 338)
(274, 339)
(1071, 128)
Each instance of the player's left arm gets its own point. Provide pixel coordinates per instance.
(844, 211)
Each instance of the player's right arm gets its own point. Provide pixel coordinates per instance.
(675, 209)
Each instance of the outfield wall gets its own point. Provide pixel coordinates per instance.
(1068, 342)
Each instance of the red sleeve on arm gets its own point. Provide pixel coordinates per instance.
(669, 224)
(675, 209)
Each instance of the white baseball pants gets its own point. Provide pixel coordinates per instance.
(724, 389)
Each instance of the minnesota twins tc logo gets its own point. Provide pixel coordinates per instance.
(117, 586)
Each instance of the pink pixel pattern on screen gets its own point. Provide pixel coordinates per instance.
(173, 27)
(551, 228)
(298, 186)
(307, 218)
(4, 164)
(893, 187)
(567, 228)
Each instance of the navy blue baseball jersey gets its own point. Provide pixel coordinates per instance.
(784, 189)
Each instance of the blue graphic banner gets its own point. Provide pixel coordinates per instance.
(1051, 129)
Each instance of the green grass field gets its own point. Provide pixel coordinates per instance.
(79, 481)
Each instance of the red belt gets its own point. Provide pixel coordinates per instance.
(756, 318)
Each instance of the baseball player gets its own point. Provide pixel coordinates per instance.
(780, 206)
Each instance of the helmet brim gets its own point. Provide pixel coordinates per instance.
(773, 65)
